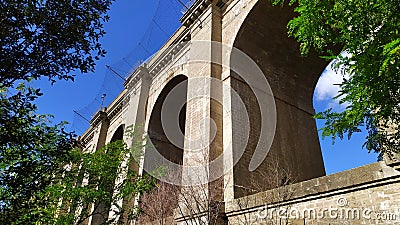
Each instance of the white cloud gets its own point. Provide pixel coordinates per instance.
(328, 87)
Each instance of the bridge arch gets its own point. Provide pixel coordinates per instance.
(262, 35)
(168, 112)
(164, 115)
(118, 133)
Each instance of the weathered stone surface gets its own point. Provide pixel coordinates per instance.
(361, 198)
(258, 30)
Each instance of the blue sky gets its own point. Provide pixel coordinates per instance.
(128, 22)
(137, 21)
(344, 154)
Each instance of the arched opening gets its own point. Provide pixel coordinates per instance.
(166, 132)
(343, 154)
(169, 112)
(295, 149)
(118, 134)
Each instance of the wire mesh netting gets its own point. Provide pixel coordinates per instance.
(164, 23)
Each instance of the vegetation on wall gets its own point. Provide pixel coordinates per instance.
(82, 185)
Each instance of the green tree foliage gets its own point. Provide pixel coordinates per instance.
(30, 150)
(368, 31)
(44, 180)
(88, 183)
(49, 38)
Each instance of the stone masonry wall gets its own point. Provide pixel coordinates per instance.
(364, 195)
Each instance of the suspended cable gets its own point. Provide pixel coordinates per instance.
(77, 113)
(165, 33)
(144, 48)
(126, 62)
(163, 24)
(184, 5)
(115, 72)
(178, 12)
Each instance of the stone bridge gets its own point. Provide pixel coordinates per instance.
(216, 112)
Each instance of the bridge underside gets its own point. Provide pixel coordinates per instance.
(259, 30)
(295, 149)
